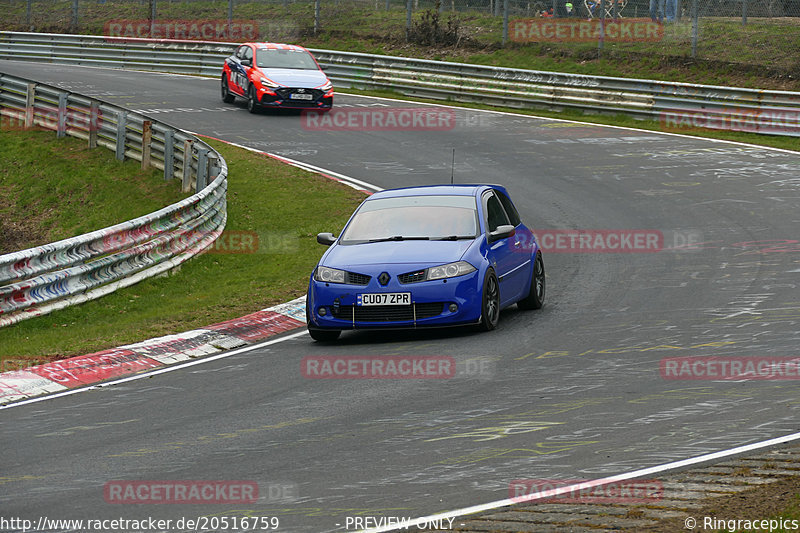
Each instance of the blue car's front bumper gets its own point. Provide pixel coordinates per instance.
(431, 303)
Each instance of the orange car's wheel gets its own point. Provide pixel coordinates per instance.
(227, 96)
(252, 100)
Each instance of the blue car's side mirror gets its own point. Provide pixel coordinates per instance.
(502, 232)
(326, 238)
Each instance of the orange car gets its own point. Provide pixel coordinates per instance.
(275, 75)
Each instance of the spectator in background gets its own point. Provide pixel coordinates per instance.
(657, 10)
(671, 11)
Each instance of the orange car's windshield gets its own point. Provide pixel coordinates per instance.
(277, 58)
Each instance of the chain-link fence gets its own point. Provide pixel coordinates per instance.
(757, 32)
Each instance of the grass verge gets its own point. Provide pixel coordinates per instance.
(52, 189)
(281, 206)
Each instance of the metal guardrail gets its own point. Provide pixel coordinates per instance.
(40, 280)
(679, 104)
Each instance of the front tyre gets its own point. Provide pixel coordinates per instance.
(252, 100)
(535, 298)
(227, 96)
(490, 305)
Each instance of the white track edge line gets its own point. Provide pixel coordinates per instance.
(452, 106)
(346, 180)
(315, 168)
(598, 124)
(152, 373)
(580, 486)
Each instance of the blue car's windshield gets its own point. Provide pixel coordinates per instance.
(413, 217)
(277, 58)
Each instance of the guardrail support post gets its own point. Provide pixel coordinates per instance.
(169, 155)
(61, 124)
(30, 100)
(213, 166)
(122, 125)
(202, 170)
(147, 136)
(94, 124)
(186, 184)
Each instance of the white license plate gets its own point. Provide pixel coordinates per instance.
(385, 298)
(300, 96)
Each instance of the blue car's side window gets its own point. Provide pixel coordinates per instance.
(511, 211)
(496, 215)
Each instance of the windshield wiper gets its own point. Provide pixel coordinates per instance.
(400, 238)
(455, 237)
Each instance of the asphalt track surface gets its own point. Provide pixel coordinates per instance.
(572, 391)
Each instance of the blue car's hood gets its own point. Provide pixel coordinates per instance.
(382, 253)
(295, 77)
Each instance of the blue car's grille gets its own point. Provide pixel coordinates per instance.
(388, 313)
(357, 279)
(412, 277)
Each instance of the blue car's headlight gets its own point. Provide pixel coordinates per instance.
(450, 270)
(329, 275)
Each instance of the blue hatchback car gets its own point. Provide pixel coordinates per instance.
(433, 256)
